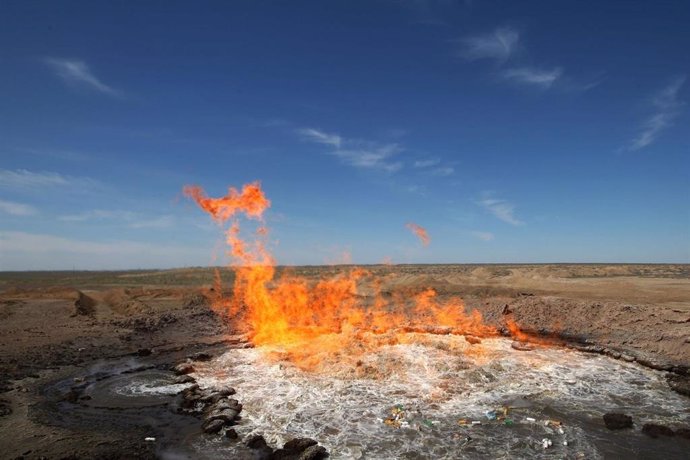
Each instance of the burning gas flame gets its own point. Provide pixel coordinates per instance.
(420, 232)
(310, 322)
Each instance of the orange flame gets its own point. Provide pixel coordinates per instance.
(420, 232)
(312, 321)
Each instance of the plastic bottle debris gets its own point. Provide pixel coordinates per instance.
(397, 417)
(150, 439)
(509, 422)
(530, 419)
(491, 414)
(463, 422)
(428, 423)
(561, 430)
(546, 443)
(476, 422)
(565, 443)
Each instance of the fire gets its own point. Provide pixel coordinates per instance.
(310, 322)
(420, 232)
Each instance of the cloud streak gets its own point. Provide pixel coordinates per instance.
(668, 108)
(535, 77)
(498, 45)
(27, 179)
(501, 209)
(127, 218)
(31, 251)
(354, 152)
(484, 236)
(17, 209)
(76, 72)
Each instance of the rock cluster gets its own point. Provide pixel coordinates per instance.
(295, 449)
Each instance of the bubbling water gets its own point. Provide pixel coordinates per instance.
(420, 398)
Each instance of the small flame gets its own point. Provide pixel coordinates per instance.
(314, 322)
(420, 232)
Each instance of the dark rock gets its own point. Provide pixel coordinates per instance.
(184, 379)
(227, 391)
(231, 434)
(521, 346)
(183, 368)
(679, 384)
(616, 421)
(224, 404)
(212, 426)
(654, 430)
(472, 339)
(5, 408)
(293, 449)
(255, 441)
(144, 352)
(314, 453)
(201, 356)
(507, 310)
(683, 433)
(227, 415)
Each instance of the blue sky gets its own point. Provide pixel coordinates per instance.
(511, 131)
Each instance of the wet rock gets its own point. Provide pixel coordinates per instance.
(616, 421)
(184, 379)
(144, 352)
(679, 384)
(628, 358)
(314, 453)
(654, 430)
(226, 415)
(472, 339)
(231, 434)
(521, 346)
(293, 449)
(212, 426)
(224, 404)
(183, 368)
(227, 391)
(200, 356)
(653, 364)
(683, 433)
(255, 441)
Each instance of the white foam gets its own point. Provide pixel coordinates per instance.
(437, 386)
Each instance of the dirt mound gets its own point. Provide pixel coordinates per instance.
(84, 305)
(125, 302)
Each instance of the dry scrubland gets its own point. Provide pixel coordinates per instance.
(54, 323)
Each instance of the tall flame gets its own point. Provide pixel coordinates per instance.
(312, 321)
(420, 232)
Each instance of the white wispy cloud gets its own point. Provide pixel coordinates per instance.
(532, 76)
(321, 137)
(668, 107)
(127, 218)
(426, 163)
(442, 171)
(77, 72)
(484, 236)
(31, 251)
(498, 45)
(30, 179)
(356, 152)
(17, 209)
(501, 209)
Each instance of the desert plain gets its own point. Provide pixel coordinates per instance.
(59, 326)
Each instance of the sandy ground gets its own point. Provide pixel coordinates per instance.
(56, 324)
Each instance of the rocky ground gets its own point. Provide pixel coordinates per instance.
(56, 326)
